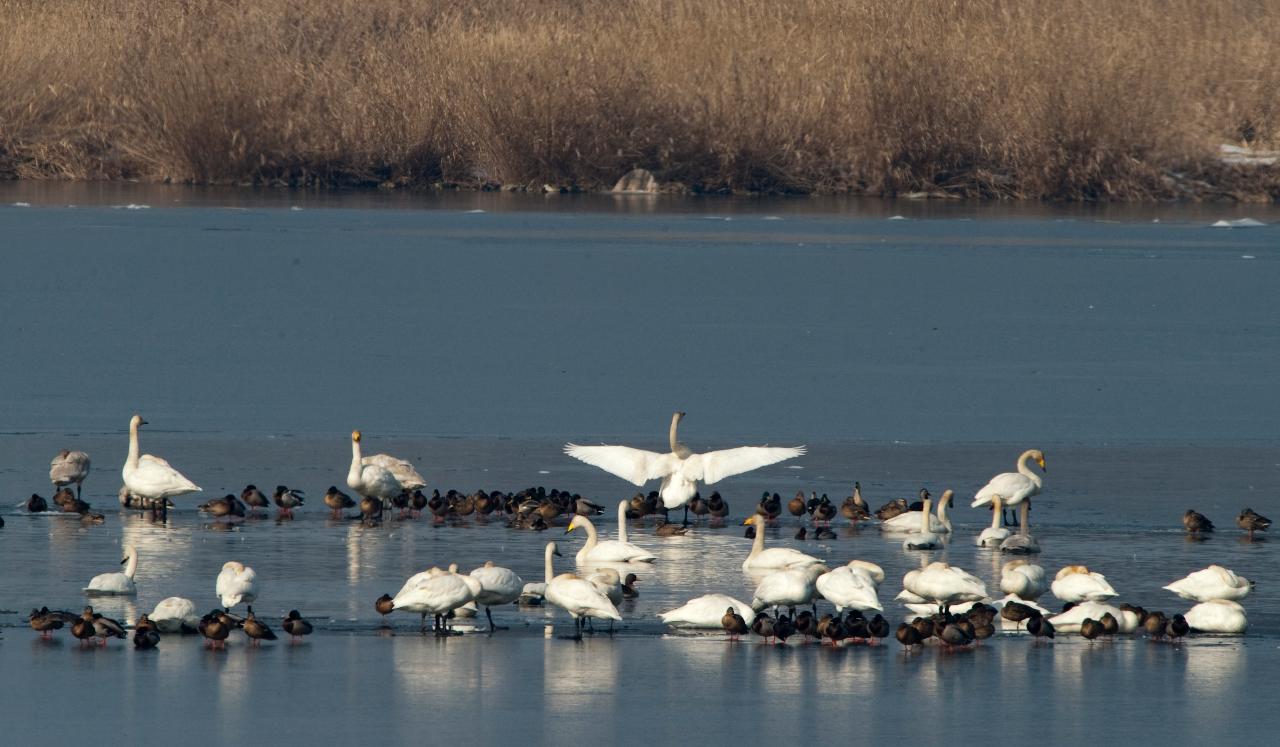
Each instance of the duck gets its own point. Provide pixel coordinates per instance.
(218, 508)
(891, 509)
(913, 521)
(237, 583)
(1023, 579)
(581, 599)
(103, 627)
(1076, 583)
(717, 507)
(146, 638)
(850, 587)
(69, 467)
(908, 636)
(944, 585)
(337, 501)
(706, 611)
(1090, 629)
(370, 479)
(790, 587)
(418, 501)
(698, 506)
(1222, 616)
(119, 583)
(796, 506)
(763, 625)
(370, 509)
(854, 507)
(44, 621)
(761, 559)
(295, 625)
(175, 615)
(498, 586)
(824, 512)
(436, 593)
(680, 469)
(1177, 628)
(733, 623)
(608, 551)
(287, 499)
(1015, 488)
(1214, 582)
(150, 476)
(1196, 523)
(995, 534)
(1251, 521)
(670, 529)
(253, 498)
(1017, 612)
(256, 630)
(1040, 627)
(629, 590)
(37, 505)
(384, 605)
(216, 628)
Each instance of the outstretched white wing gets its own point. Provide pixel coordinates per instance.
(636, 466)
(714, 466)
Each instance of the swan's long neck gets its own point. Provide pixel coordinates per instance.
(622, 521)
(677, 448)
(131, 567)
(925, 514)
(550, 571)
(996, 514)
(1023, 513)
(1025, 470)
(353, 474)
(132, 460)
(757, 545)
(590, 529)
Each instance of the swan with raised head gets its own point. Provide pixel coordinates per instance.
(1071, 620)
(498, 585)
(434, 592)
(1014, 487)
(679, 469)
(580, 598)
(371, 480)
(1214, 582)
(69, 467)
(148, 476)
(944, 585)
(237, 583)
(1217, 616)
(761, 559)
(913, 521)
(1076, 583)
(849, 586)
(706, 611)
(1022, 579)
(925, 538)
(175, 615)
(993, 535)
(787, 588)
(534, 592)
(607, 551)
(119, 583)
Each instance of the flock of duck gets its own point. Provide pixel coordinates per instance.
(944, 603)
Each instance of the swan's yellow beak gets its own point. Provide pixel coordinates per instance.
(1040, 461)
(570, 528)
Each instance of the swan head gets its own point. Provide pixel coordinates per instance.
(136, 421)
(754, 519)
(1070, 569)
(573, 524)
(1038, 455)
(129, 552)
(678, 416)
(233, 565)
(355, 436)
(948, 497)
(554, 549)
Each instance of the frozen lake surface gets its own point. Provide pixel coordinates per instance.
(1141, 356)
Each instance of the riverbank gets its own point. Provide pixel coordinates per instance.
(1050, 101)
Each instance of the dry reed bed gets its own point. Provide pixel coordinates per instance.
(1066, 99)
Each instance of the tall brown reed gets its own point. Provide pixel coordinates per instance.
(1069, 99)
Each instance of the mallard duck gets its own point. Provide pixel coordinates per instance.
(1196, 522)
(257, 630)
(733, 624)
(287, 499)
(295, 625)
(254, 499)
(1251, 521)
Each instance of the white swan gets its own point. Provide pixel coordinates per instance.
(912, 521)
(1214, 582)
(401, 470)
(1014, 487)
(944, 585)
(434, 592)
(498, 586)
(175, 615)
(1076, 583)
(1022, 579)
(150, 476)
(117, 583)
(580, 598)
(609, 582)
(236, 583)
(69, 467)
(761, 559)
(534, 592)
(873, 572)
(993, 535)
(1218, 616)
(705, 611)
(787, 588)
(925, 539)
(680, 469)
(370, 480)
(850, 587)
(1069, 621)
(608, 551)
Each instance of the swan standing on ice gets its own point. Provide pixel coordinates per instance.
(434, 592)
(706, 611)
(1015, 488)
(761, 559)
(498, 585)
(608, 551)
(175, 615)
(579, 597)
(236, 583)
(1214, 582)
(69, 467)
(680, 469)
(120, 583)
(148, 476)
(371, 480)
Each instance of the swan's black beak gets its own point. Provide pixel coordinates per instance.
(144, 422)
(124, 560)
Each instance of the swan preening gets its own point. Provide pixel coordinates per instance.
(148, 476)
(119, 583)
(944, 585)
(608, 551)
(69, 467)
(1214, 582)
(679, 469)
(1020, 578)
(1076, 583)
(175, 615)
(790, 587)
(1218, 616)
(237, 583)
(853, 586)
(437, 593)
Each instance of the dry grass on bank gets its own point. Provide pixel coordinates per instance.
(1070, 99)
